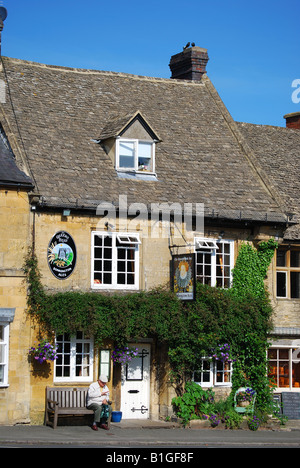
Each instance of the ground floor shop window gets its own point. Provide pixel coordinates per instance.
(74, 358)
(284, 367)
(213, 373)
(4, 335)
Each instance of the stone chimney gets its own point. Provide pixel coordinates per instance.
(292, 120)
(189, 64)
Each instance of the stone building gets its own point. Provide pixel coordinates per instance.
(108, 161)
(15, 238)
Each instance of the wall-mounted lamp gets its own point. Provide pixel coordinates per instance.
(66, 212)
(221, 235)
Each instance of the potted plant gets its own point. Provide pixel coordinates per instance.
(43, 352)
(245, 396)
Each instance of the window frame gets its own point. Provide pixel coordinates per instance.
(135, 142)
(116, 236)
(210, 247)
(287, 269)
(73, 342)
(5, 361)
(280, 360)
(213, 371)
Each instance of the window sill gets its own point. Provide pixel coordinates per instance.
(290, 299)
(72, 383)
(105, 287)
(136, 175)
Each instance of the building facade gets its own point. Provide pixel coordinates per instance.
(121, 173)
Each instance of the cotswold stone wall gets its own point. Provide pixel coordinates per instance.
(14, 241)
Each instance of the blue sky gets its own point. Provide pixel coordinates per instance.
(253, 46)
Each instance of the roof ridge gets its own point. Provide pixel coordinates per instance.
(262, 125)
(103, 72)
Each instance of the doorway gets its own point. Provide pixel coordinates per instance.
(135, 384)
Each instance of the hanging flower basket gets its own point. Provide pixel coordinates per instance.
(45, 351)
(124, 355)
(221, 353)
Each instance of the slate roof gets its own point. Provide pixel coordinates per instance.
(53, 114)
(278, 150)
(10, 175)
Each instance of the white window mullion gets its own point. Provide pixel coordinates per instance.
(231, 243)
(4, 346)
(136, 155)
(153, 158)
(114, 262)
(213, 268)
(73, 359)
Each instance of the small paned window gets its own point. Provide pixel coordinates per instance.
(74, 358)
(115, 261)
(211, 373)
(288, 272)
(135, 155)
(214, 262)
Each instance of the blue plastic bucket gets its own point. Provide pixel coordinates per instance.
(116, 416)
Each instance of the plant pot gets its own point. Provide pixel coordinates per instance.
(244, 404)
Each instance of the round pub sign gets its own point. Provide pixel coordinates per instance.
(62, 255)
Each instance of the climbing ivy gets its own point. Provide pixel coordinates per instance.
(240, 316)
(251, 268)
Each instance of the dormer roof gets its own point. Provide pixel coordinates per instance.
(118, 125)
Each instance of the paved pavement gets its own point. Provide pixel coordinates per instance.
(147, 435)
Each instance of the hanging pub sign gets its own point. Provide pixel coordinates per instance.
(183, 276)
(61, 255)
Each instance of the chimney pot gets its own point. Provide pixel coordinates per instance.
(292, 120)
(189, 64)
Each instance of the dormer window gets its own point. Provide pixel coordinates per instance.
(130, 143)
(135, 155)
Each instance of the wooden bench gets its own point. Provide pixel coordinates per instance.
(66, 400)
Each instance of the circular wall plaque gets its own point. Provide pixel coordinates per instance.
(61, 255)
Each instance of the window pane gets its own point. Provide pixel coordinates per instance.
(295, 284)
(130, 279)
(126, 154)
(107, 241)
(121, 278)
(296, 374)
(295, 258)
(272, 353)
(283, 353)
(281, 258)
(1, 353)
(98, 241)
(144, 158)
(203, 267)
(273, 372)
(281, 284)
(284, 374)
